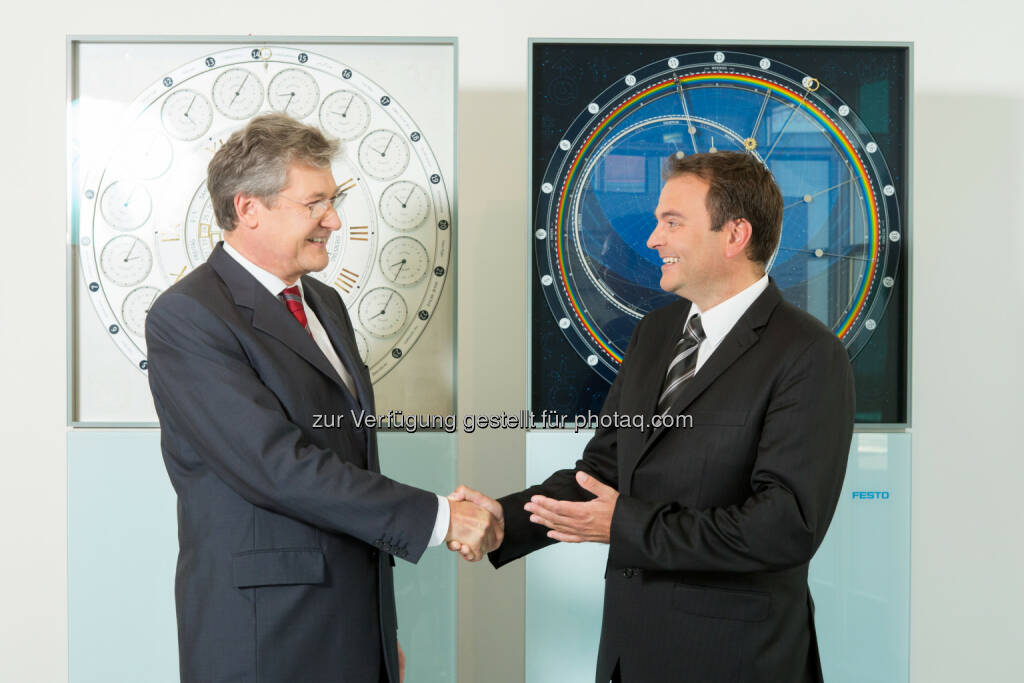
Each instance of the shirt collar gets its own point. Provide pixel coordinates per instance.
(720, 319)
(273, 283)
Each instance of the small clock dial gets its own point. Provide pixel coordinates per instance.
(126, 205)
(186, 114)
(383, 154)
(403, 261)
(294, 92)
(404, 205)
(382, 312)
(345, 114)
(136, 307)
(126, 260)
(238, 93)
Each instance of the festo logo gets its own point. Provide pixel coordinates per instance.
(871, 495)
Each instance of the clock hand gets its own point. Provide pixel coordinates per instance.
(345, 113)
(289, 102)
(408, 196)
(190, 107)
(400, 264)
(390, 140)
(239, 91)
(130, 251)
(128, 198)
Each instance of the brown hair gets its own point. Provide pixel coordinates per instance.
(740, 186)
(254, 161)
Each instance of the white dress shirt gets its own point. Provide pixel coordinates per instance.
(275, 285)
(719, 320)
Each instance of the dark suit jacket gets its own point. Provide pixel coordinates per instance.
(716, 523)
(280, 523)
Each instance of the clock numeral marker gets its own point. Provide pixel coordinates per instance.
(359, 233)
(346, 280)
(178, 276)
(170, 238)
(347, 185)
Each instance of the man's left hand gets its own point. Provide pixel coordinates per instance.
(577, 522)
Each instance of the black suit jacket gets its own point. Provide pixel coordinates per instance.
(280, 523)
(715, 523)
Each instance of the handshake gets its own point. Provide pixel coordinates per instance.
(477, 524)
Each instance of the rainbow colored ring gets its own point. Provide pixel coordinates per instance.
(800, 101)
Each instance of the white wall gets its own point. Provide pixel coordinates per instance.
(968, 236)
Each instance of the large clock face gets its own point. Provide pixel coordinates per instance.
(146, 217)
(839, 250)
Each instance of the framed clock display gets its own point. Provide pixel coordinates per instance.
(146, 115)
(829, 121)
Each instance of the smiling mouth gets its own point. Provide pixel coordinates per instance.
(320, 241)
(669, 260)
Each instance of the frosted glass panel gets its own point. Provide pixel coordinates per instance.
(860, 577)
(123, 545)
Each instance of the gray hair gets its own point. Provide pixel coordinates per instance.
(254, 162)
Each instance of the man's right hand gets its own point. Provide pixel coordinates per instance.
(467, 496)
(473, 530)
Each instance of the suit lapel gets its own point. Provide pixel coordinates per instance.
(343, 340)
(744, 334)
(269, 315)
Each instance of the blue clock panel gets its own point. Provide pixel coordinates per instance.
(830, 122)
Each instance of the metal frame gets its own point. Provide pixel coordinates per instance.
(528, 233)
(71, 43)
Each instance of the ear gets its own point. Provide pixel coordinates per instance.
(738, 233)
(247, 211)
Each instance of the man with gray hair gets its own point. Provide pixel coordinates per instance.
(286, 532)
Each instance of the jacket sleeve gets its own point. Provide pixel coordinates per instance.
(796, 481)
(598, 459)
(212, 401)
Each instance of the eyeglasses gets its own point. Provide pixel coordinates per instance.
(319, 208)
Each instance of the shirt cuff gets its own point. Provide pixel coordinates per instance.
(441, 523)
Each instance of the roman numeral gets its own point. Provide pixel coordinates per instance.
(346, 280)
(359, 233)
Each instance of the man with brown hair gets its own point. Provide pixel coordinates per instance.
(711, 522)
(287, 531)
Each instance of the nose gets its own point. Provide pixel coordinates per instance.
(331, 219)
(654, 240)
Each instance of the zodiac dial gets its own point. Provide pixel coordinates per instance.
(838, 254)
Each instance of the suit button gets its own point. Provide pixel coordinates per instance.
(628, 572)
(374, 554)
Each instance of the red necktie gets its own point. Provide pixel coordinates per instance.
(293, 300)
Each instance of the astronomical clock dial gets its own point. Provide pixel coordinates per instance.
(382, 312)
(404, 205)
(147, 221)
(383, 154)
(126, 260)
(294, 92)
(838, 254)
(404, 261)
(345, 114)
(186, 114)
(238, 93)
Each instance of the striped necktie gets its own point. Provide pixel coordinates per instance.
(683, 365)
(293, 300)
